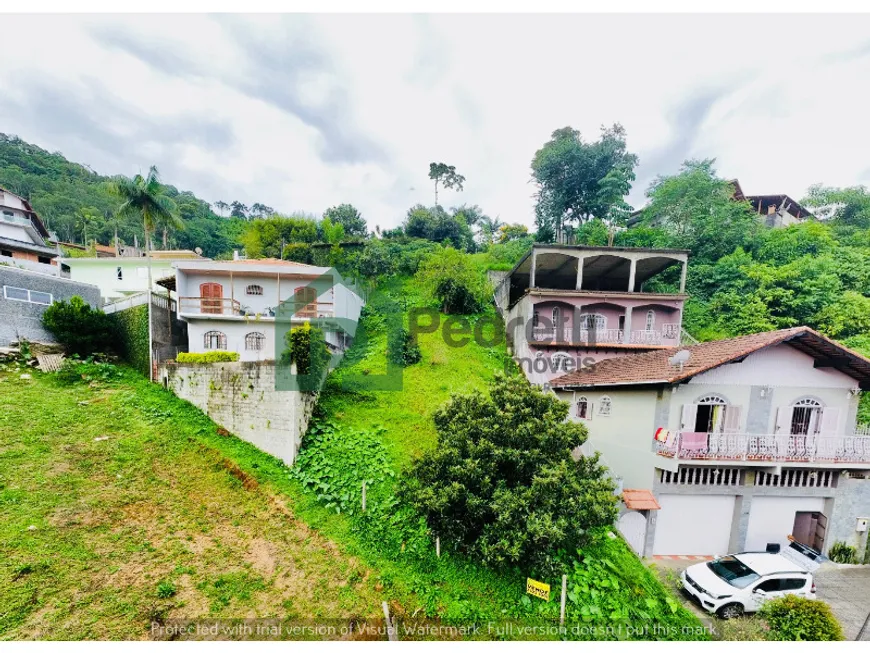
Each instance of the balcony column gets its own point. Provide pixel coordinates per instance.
(683, 277)
(626, 335)
(631, 275)
(580, 260)
(534, 265)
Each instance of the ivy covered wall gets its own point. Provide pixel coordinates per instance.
(133, 334)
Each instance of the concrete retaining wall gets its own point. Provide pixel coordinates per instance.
(241, 397)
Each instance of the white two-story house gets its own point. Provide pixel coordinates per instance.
(234, 305)
(735, 444)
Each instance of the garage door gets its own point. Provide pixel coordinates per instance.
(693, 525)
(771, 519)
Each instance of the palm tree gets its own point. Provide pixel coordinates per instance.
(144, 198)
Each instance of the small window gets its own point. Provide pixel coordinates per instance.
(119, 271)
(254, 290)
(9, 214)
(604, 407)
(21, 294)
(45, 260)
(582, 408)
(255, 341)
(214, 340)
(40, 297)
(24, 295)
(6, 252)
(650, 320)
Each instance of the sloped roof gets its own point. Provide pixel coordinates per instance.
(654, 367)
(640, 500)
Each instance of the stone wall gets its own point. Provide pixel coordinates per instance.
(241, 397)
(853, 502)
(24, 319)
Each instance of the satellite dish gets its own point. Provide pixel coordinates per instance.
(680, 358)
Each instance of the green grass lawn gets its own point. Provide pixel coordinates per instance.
(120, 508)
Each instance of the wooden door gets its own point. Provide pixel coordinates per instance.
(211, 298)
(821, 529)
(305, 302)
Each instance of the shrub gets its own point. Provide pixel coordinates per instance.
(795, 618)
(453, 279)
(402, 348)
(208, 357)
(74, 370)
(843, 553)
(79, 328)
(502, 483)
(306, 348)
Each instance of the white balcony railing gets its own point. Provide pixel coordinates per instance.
(766, 447)
(670, 332)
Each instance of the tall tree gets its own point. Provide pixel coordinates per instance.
(698, 210)
(222, 207)
(239, 210)
(446, 175)
(259, 210)
(146, 199)
(348, 217)
(489, 228)
(579, 181)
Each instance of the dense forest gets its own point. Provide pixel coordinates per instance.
(78, 204)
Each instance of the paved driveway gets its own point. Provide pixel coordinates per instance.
(846, 590)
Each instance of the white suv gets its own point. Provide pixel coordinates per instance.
(742, 582)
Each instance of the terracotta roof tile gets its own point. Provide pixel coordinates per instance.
(654, 366)
(640, 500)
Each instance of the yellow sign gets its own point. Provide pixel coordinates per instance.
(536, 588)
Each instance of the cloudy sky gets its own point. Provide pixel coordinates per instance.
(303, 112)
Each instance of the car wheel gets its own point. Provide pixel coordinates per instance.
(730, 611)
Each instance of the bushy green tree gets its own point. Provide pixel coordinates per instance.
(79, 328)
(435, 224)
(848, 315)
(349, 218)
(846, 207)
(264, 238)
(502, 483)
(578, 181)
(305, 347)
(455, 281)
(698, 211)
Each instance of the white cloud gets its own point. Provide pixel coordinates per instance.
(301, 113)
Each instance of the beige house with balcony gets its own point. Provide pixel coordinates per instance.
(742, 442)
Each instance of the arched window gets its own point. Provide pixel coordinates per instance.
(254, 289)
(592, 321)
(650, 320)
(605, 406)
(255, 341)
(582, 408)
(562, 362)
(214, 340)
(806, 416)
(709, 414)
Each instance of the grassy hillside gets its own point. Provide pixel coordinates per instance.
(142, 511)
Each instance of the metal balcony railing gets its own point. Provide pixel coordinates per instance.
(766, 447)
(568, 335)
(209, 306)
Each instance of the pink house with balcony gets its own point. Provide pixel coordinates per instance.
(568, 306)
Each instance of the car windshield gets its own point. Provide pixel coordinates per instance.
(733, 572)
